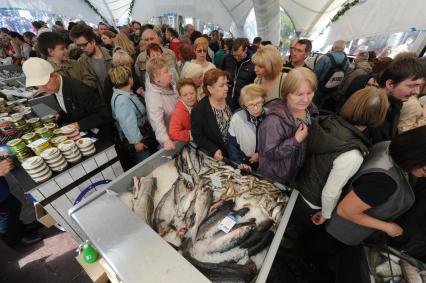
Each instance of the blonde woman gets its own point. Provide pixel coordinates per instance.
(201, 46)
(282, 135)
(161, 97)
(267, 66)
(121, 41)
(194, 72)
(242, 142)
(129, 114)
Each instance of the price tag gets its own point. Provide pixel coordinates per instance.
(187, 177)
(216, 182)
(227, 223)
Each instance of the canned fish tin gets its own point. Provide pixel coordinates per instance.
(16, 145)
(6, 127)
(48, 119)
(50, 126)
(39, 145)
(57, 140)
(57, 132)
(18, 120)
(34, 123)
(44, 133)
(30, 137)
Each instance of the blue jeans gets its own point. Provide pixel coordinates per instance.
(11, 227)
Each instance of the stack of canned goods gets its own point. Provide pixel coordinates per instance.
(19, 122)
(6, 126)
(30, 137)
(37, 169)
(86, 146)
(39, 145)
(44, 133)
(54, 159)
(34, 123)
(70, 150)
(57, 140)
(19, 149)
(48, 119)
(71, 132)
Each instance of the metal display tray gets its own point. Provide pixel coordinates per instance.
(132, 248)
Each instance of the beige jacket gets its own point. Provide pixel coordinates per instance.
(412, 115)
(160, 104)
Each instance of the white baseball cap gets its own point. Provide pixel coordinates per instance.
(37, 71)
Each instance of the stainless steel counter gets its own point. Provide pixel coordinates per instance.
(135, 251)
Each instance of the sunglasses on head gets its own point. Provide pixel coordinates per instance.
(82, 45)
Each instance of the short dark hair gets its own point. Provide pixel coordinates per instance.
(48, 40)
(135, 22)
(82, 30)
(29, 34)
(14, 34)
(5, 30)
(71, 25)
(153, 47)
(257, 40)
(59, 23)
(239, 42)
(173, 32)
(196, 34)
(402, 69)
(37, 25)
(184, 82)
(145, 27)
(408, 149)
(307, 43)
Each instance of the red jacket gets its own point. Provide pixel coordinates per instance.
(180, 123)
(174, 46)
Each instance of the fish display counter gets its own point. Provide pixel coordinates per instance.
(181, 216)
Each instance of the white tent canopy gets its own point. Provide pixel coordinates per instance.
(379, 17)
(309, 17)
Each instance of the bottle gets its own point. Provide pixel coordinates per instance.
(89, 253)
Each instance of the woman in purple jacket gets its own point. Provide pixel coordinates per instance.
(282, 135)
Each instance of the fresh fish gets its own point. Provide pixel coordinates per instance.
(226, 272)
(180, 191)
(201, 209)
(143, 205)
(241, 212)
(232, 256)
(411, 273)
(179, 222)
(217, 233)
(213, 220)
(258, 235)
(265, 242)
(165, 212)
(227, 241)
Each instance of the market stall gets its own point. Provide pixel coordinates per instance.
(135, 250)
(55, 166)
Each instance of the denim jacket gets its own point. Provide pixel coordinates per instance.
(129, 112)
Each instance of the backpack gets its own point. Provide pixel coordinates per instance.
(334, 77)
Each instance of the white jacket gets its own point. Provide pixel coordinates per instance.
(160, 104)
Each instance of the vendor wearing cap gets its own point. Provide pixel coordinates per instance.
(79, 104)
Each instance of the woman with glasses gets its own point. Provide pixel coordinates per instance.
(211, 117)
(282, 135)
(242, 141)
(201, 46)
(267, 66)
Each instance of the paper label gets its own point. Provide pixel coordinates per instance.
(227, 223)
(216, 182)
(187, 177)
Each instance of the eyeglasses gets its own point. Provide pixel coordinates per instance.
(82, 45)
(201, 50)
(255, 105)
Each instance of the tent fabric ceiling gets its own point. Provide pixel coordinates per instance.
(72, 9)
(309, 17)
(372, 18)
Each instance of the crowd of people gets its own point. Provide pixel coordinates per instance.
(349, 136)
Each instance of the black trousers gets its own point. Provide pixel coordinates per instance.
(11, 227)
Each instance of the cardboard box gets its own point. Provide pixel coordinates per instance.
(43, 217)
(94, 270)
(113, 278)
